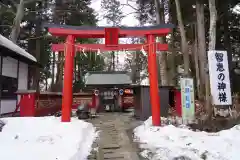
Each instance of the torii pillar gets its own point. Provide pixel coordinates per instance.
(67, 97)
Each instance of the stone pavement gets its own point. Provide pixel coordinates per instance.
(113, 142)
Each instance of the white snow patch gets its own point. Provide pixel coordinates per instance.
(45, 138)
(169, 142)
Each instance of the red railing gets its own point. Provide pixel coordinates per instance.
(46, 103)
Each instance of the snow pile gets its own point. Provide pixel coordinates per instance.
(45, 138)
(170, 142)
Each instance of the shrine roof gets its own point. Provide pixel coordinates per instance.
(108, 78)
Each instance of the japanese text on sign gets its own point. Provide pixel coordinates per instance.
(187, 98)
(219, 78)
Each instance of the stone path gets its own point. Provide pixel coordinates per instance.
(113, 142)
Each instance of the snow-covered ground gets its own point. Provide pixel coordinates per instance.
(169, 142)
(45, 138)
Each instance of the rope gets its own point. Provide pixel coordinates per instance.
(91, 49)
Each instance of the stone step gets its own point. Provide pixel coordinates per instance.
(110, 146)
(113, 156)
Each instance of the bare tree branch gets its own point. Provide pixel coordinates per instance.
(13, 3)
(129, 5)
(30, 1)
(5, 26)
(16, 23)
(9, 9)
(130, 13)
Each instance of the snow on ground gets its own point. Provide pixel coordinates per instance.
(45, 138)
(169, 142)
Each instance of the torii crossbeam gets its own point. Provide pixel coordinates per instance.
(111, 35)
(102, 47)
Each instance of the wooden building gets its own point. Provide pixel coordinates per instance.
(14, 64)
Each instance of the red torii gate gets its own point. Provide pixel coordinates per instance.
(111, 35)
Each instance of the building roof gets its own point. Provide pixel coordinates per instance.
(108, 78)
(15, 48)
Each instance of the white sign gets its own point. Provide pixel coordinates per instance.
(187, 98)
(219, 78)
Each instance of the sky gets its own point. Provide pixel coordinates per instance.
(129, 20)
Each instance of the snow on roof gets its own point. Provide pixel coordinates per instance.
(15, 48)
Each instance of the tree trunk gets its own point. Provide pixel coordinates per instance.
(53, 70)
(17, 21)
(197, 70)
(201, 50)
(56, 19)
(213, 22)
(162, 56)
(212, 46)
(184, 44)
(36, 78)
(113, 60)
(59, 75)
(227, 39)
(46, 83)
(79, 71)
(134, 68)
(75, 69)
(172, 57)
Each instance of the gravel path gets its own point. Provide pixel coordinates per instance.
(114, 142)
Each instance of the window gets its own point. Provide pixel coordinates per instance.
(8, 87)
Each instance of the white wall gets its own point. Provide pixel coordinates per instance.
(8, 106)
(10, 68)
(22, 77)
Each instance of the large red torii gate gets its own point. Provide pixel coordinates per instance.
(111, 35)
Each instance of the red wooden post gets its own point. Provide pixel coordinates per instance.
(153, 79)
(27, 105)
(178, 103)
(68, 79)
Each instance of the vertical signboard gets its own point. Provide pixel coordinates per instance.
(187, 98)
(219, 78)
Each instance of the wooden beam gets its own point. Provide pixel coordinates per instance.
(99, 31)
(101, 34)
(102, 47)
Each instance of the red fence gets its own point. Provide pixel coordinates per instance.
(45, 103)
(80, 98)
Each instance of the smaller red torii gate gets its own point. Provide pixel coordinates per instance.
(111, 35)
